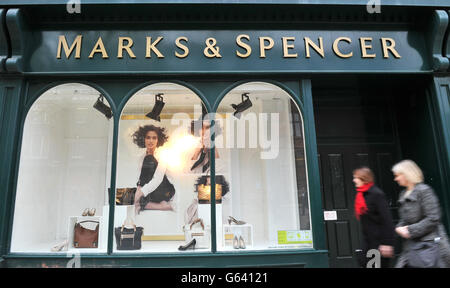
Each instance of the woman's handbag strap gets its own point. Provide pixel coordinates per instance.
(123, 227)
(91, 221)
(198, 220)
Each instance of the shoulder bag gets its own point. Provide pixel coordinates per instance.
(128, 238)
(423, 254)
(198, 232)
(85, 238)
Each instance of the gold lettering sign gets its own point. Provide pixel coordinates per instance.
(63, 42)
(365, 46)
(212, 50)
(182, 47)
(241, 44)
(336, 47)
(387, 48)
(287, 47)
(99, 48)
(152, 47)
(127, 47)
(318, 49)
(263, 47)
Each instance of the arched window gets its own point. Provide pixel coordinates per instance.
(64, 171)
(161, 159)
(262, 156)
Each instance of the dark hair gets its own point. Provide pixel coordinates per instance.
(196, 127)
(139, 135)
(365, 174)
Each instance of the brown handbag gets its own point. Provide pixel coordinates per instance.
(85, 238)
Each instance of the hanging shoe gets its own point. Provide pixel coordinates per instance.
(199, 161)
(205, 167)
(85, 212)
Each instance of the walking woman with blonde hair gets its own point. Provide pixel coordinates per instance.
(425, 243)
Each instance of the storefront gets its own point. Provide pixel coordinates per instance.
(119, 121)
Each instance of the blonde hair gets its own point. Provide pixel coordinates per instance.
(410, 169)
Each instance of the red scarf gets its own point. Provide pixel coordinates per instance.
(360, 203)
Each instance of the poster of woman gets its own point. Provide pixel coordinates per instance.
(154, 190)
(154, 157)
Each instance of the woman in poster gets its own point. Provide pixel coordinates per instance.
(154, 190)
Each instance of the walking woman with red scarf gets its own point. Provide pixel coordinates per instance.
(372, 211)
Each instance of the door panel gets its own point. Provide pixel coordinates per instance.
(337, 163)
(355, 126)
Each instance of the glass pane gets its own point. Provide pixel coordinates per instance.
(157, 189)
(262, 157)
(64, 171)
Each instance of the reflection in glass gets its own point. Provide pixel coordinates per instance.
(62, 189)
(262, 158)
(159, 161)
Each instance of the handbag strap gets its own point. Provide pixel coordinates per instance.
(123, 227)
(92, 221)
(198, 220)
(131, 236)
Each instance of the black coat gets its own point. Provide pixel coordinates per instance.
(164, 192)
(377, 225)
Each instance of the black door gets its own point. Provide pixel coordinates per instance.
(355, 127)
(336, 165)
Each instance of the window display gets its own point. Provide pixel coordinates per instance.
(261, 150)
(163, 183)
(64, 173)
(161, 157)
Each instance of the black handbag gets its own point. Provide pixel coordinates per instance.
(128, 238)
(423, 254)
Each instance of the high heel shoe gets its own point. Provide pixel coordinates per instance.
(91, 212)
(235, 242)
(241, 242)
(237, 222)
(85, 212)
(189, 245)
(199, 161)
(61, 246)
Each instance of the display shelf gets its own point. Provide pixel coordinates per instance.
(229, 231)
(204, 212)
(45, 248)
(261, 247)
(160, 247)
(102, 232)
